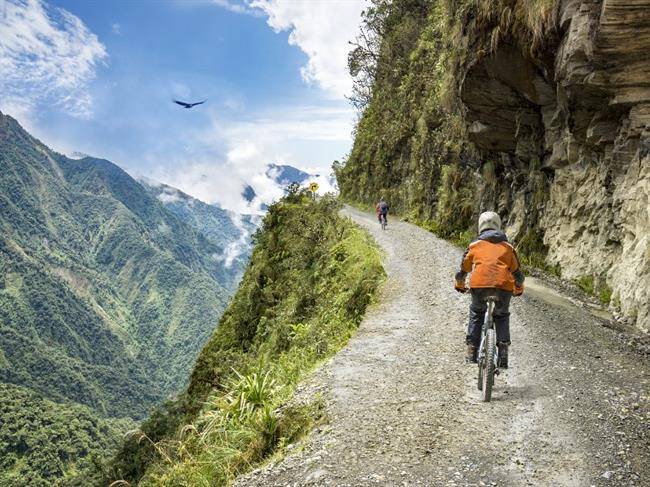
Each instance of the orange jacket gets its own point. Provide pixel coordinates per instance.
(493, 263)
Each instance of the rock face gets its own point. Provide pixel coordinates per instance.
(568, 128)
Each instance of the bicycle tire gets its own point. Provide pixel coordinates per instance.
(488, 360)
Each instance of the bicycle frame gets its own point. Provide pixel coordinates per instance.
(488, 323)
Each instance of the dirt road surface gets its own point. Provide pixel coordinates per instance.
(403, 407)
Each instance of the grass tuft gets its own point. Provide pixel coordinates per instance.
(595, 286)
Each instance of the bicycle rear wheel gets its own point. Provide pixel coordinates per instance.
(488, 362)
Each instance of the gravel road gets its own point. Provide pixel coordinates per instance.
(403, 408)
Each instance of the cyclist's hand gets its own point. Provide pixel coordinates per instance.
(460, 287)
(519, 290)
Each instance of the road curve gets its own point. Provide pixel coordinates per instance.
(403, 408)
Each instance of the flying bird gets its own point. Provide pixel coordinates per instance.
(188, 105)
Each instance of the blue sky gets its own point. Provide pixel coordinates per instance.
(98, 77)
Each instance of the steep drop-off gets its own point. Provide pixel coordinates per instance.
(309, 280)
(538, 109)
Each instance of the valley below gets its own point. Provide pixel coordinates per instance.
(106, 298)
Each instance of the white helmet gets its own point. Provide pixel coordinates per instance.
(489, 220)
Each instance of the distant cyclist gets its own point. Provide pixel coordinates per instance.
(382, 210)
(495, 268)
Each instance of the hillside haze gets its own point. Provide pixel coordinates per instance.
(106, 296)
(232, 232)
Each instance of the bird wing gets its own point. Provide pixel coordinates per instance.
(182, 103)
(198, 103)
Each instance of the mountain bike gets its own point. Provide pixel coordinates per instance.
(488, 352)
(383, 221)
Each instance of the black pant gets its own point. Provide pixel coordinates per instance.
(501, 315)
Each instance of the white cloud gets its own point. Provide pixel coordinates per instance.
(223, 181)
(116, 29)
(169, 195)
(326, 184)
(235, 154)
(47, 55)
(237, 247)
(321, 29)
(236, 7)
(308, 123)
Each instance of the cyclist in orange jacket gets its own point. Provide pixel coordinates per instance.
(494, 268)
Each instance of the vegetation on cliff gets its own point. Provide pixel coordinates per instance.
(43, 443)
(309, 280)
(536, 109)
(411, 143)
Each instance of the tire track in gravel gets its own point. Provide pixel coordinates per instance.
(403, 407)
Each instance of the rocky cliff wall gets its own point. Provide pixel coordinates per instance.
(569, 129)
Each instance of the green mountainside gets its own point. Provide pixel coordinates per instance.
(40, 439)
(311, 275)
(231, 232)
(410, 144)
(415, 143)
(106, 297)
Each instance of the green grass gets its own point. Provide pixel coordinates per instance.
(460, 238)
(605, 294)
(309, 281)
(595, 287)
(586, 283)
(532, 251)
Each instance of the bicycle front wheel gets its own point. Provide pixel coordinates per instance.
(488, 364)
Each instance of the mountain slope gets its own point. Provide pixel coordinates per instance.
(230, 231)
(106, 297)
(284, 175)
(40, 439)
